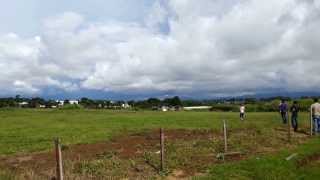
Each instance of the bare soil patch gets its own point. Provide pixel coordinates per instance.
(311, 159)
(194, 151)
(123, 146)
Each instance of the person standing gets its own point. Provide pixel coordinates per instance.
(283, 108)
(242, 111)
(294, 115)
(315, 109)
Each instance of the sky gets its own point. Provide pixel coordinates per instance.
(142, 48)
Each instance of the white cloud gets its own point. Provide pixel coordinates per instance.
(68, 21)
(213, 47)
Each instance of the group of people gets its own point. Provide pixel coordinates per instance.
(294, 109)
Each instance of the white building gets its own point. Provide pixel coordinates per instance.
(60, 103)
(125, 106)
(196, 108)
(164, 108)
(42, 106)
(23, 103)
(74, 102)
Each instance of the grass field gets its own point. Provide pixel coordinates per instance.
(24, 131)
(34, 130)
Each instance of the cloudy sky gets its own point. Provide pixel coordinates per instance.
(191, 48)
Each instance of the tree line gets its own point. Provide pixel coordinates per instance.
(223, 104)
(85, 102)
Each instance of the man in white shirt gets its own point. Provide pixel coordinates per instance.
(242, 111)
(315, 110)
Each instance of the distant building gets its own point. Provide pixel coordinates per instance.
(125, 106)
(42, 106)
(196, 108)
(177, 108)
(164, 108)
(60, 103)
(74, 102)
(23, 104)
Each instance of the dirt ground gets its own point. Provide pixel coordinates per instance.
(134, 146)
(311, 159)
(124, 146)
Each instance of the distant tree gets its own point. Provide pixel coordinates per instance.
(119, 103)
(35, 102)
(175, 101)
(154, 102)
(8, 102)
(107, 103)
(18, 98)
(250, 100)
(100, 103)
(87, 103)
(51, 103)
(131, 102)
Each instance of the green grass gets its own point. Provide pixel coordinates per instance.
(28, 130)
(272, 166)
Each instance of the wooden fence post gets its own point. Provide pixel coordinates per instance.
(289, 128)
(311, 122)
(162, 149)
(59, 170)
(225, 136)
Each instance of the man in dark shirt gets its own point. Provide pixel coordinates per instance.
(283, 108)
(294, 115)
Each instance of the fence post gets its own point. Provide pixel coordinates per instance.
(225, 136)
(162, 149)
(311, 122)
(289, 127)
(59, 170)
